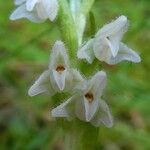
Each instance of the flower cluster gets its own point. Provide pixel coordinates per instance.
(85, 102)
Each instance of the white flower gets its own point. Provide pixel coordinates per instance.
(107, 46)
(86, 104)
(59, 77)
(35, 10)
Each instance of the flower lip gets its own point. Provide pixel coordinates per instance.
(60, 68)
(89, 97)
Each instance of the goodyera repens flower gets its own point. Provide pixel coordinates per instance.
(59, 77)
(107, 46)
(85, 95)
(35, 10)
(86, 104)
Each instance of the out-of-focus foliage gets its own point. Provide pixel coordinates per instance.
(25, 123)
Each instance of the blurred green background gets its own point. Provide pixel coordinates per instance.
(25, 122)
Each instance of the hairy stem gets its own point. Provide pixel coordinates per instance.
(67, 28)
(81, 136)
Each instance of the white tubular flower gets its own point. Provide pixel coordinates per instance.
(35, 10)
(61, 74)
(107, 45)
(59, 77)
(87, 104)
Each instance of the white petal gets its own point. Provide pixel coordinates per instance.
(69, 79)
(86, 51)
(113, 32)
(80, 108)
(61, 110)
(102, 48)
(125, 53)
(58, 56)
(90, 109)
(60, 79)
(103, 116)
(41, 12)
(19, 2)
(77, 77)
(21, 12)
(120, 24)
(42, 84)
(115, 39)
(114, 44)
(73, 78)
(18, 13)
(97, 84)
(47, 9)
(51, 7)
(30, 4)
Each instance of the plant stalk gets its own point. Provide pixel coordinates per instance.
(67, 28)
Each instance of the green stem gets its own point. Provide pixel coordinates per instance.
(81, 136)
(88, 69)
(89, 138)
(67, 28)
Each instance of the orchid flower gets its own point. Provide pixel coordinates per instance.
(86, 104)
(59, 77)
(107, 46)
(35, 10)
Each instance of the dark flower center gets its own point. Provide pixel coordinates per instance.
(89, 96)
(60, 68)
(108, 37)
